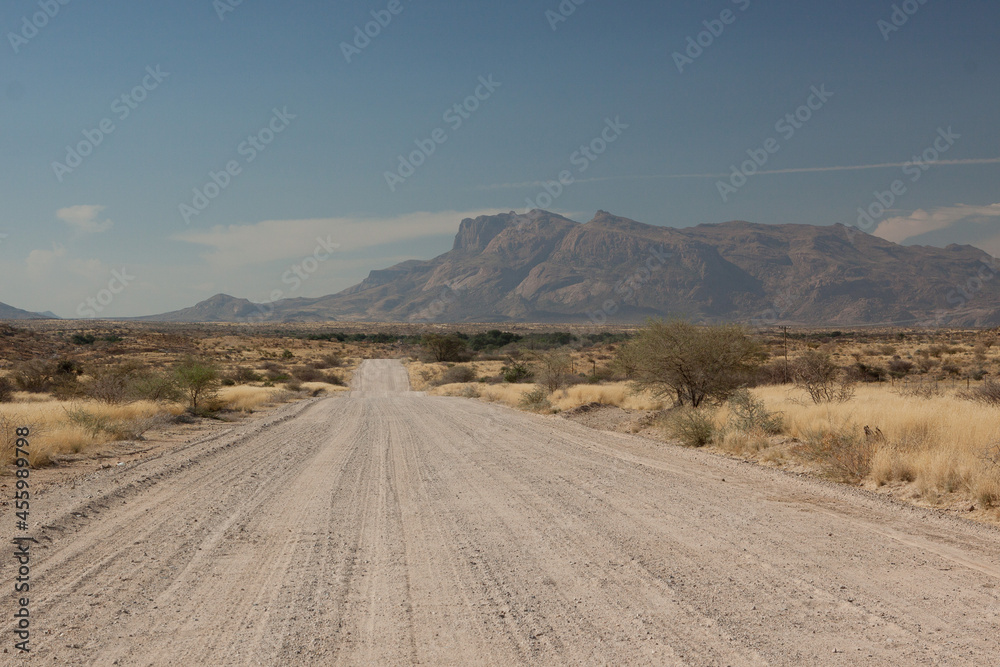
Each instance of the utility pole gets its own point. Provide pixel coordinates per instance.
(784, 330)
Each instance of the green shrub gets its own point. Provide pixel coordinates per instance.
(535, 400)
(515, 371)
(749, 414)
(198, 379)
(694, 427)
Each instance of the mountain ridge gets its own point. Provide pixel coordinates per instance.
(543, 267)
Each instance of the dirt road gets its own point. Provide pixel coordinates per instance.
(388, 527)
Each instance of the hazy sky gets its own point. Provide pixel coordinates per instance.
(116, 112)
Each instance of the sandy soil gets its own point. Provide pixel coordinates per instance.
(389, 527)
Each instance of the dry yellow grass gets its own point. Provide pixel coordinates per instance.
(423, 375)
(70, 427)
(247, 398)
(618, 394)
(938, 443)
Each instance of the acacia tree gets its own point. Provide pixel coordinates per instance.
(197, 379)
(692, 362)
(444, 348)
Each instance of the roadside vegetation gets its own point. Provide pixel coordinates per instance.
(81, 390)
(911, 413)
(914, 413)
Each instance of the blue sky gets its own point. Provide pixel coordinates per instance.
(279, 73)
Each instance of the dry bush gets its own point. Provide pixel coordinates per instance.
(553, 369)
(329, 360)
(824, 381)
(694, 427)
(988, 393)
(6, 390)
(456, 374)
(749, 414)
(470, 391)
(843, 453)
(307, 374)
(242, 375)
(919, 388)
(536, 400)
(733, 441)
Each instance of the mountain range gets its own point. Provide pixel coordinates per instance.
(543, 267)
(12, 313)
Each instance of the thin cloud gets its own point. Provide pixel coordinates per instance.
(83, 218)
(903, 228)
(795, 170)
(271, 240)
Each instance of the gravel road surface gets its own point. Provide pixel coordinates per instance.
(388, 527)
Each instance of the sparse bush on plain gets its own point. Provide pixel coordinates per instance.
(444, 348)
(329, 360)
(6, 390)
(988, 392)
(198, 379)
(307, 374)
(536, 400)
(35, 376)
(244, 375)
(694, 427)
(900, 368)
(456, 375)
(333, 378)
(472, 391)
(749, 414)
(692, 363)
(554, 369)
(516, 371)
(822, 379)
(844, 453)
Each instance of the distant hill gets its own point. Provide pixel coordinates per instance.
(546, 268)
(219, 308)
(12, 313)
